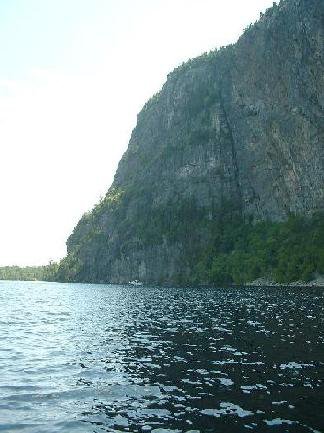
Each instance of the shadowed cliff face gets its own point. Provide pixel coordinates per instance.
(237, 134)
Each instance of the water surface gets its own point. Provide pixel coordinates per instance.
(102, 358)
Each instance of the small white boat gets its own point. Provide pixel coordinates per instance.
(135, 283)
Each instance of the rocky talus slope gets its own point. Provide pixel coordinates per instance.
(235, 136)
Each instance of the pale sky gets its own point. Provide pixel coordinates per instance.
(73, 76)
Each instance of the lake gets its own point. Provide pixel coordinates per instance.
(105, 358)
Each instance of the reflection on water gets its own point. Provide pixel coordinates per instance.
(95, 358)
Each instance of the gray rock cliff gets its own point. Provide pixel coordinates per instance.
(239, 131)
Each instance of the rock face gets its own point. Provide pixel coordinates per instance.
(238, 132)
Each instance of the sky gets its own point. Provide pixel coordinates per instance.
(73, 76)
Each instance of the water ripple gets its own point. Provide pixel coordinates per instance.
(84, 358)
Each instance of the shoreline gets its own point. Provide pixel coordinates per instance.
(316, 284)
(263, 282)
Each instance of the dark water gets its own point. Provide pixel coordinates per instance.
(87, 358)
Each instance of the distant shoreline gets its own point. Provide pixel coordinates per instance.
(253, 285)
(263, 282)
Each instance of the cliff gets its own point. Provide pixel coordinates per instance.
(234, 138)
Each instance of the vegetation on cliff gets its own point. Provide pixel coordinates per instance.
(234, 251)
(283, 252)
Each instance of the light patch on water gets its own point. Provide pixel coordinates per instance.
(227, 409)
(226, 382)
(180, 359)
(191, 382)
(227, 361)
(253, 323)
(295, 365)
(222, 329)
(149, 413)
(202, 371)
(279, 403)
(165, 430)
(248, 388)
(232, 350)
(279, 421)
(232, 361)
